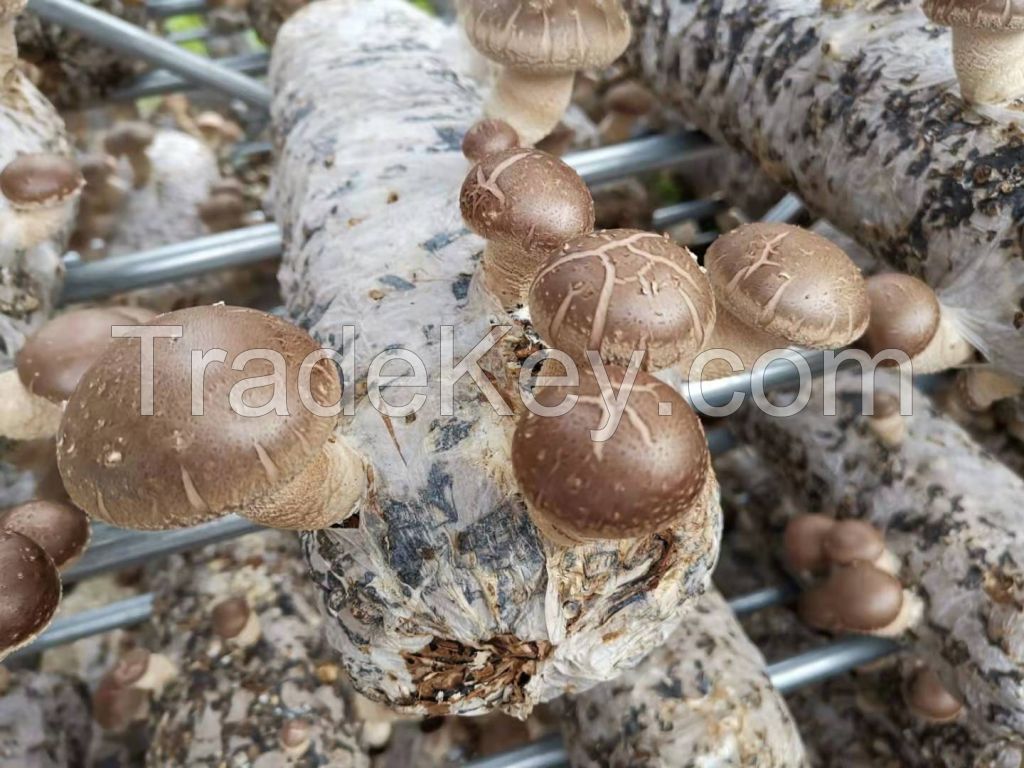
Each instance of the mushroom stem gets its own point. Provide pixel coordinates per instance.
(989, 64)
(733, 335)
(506, 274)
(23, 415)
(324, 493)
(27, 228)
(947, 348)
(8, 48)
(980, 388)
(531, 103)
(142, 167)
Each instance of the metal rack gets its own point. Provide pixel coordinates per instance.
(113, 549)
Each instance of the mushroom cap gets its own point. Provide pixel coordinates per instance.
(221, 206)
(487, 137)
(789, 282)
(60, 529)
(977, 14)
(646, 477)
(855, 598)
(29, 590)
(803, 542)
(40, 179)
(619, 290)
(54, 358)
(527, 198)
(229, 617)
(629, 98)
(550, 36)
(130, 668)
(227, 186)
(173, 468)
(851, 540)
(905, 314)
(929, 698)
(96, 168)
(130, 136)
(115, 707)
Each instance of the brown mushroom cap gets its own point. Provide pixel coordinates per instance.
(29, 591)
(851, 540)
(60, 529)
(230, 616)
(929, 698)
(96, 169)
(115, 707)
(129, 137)
(488, 137)
(905, 314)
(55, 357)
(295, 733)
(131, 667)
(789, 282)
(556, 36)
(986, 14)
(803, 542)
(228, 186)
(527, 198)
(221, 209)
(855, 598)
(175, 469)
(629, 98)
(619, 290)
(646, 477)
(41, 179)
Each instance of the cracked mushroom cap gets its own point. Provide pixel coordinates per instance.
(488, 137)
(129, 137)
(29, 591)
(527, 198)
(549, 37)
(174, 469)
(905, 314)
(848, 541)
(40, 180)
(791, 283)
(55, 357)
(855, 598)
(619, 290)
(928, 697)
(803, 542)
(646, 477)
(60, 529)
(986, 14)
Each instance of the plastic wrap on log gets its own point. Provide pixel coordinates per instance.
(440, 594)
(952, 517)
(859, 113)
(44, 721)
(701, 699)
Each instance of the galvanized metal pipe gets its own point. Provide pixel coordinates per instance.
(160, 81)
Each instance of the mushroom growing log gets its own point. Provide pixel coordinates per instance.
(440, 593)
(701, 699)
(858, 111)
(958, 545)
(44, 720)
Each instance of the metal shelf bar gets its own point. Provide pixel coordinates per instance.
(126, 38)
(670, 215)
(651, 153)
(160, 81)
(162, 9)
(787, 210)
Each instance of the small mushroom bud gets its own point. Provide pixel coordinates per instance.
(778, 286)
(929, 699)
(980, 388)
(988, 46)
(41, 191)
(540, 47)
(295, 737)
(104, 191)
(625, 103)
(132, 140)
(139, 668)
(906, 316)
(116, 707)
(51, 363)
(222, 212)
(217, 131)
(860, 598)
(887, 423)
(803, 543)
(488, 137)
(649, 473)
(617, 291)
(527, 204)
(60, 529)
(29, 591)
(852, 541)
(235, 622)
(262, 443)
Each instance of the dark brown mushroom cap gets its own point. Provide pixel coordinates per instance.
(977, 14)
(131, 667)
(54, 358)
(646, 477)
(905, 314)
(629, 98)
(528, 198)
(129, 137)
(851, 540)
(60, 529)
(803, 542)
(174, 468)
(554, 36)
(230, 616)
(789, 282)
(619, 290)
(220, 207)
(928, 697)
(488, 137)
(40, 179)
(855, 598)
(96, 168)
(29, 590)
(115, 707)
